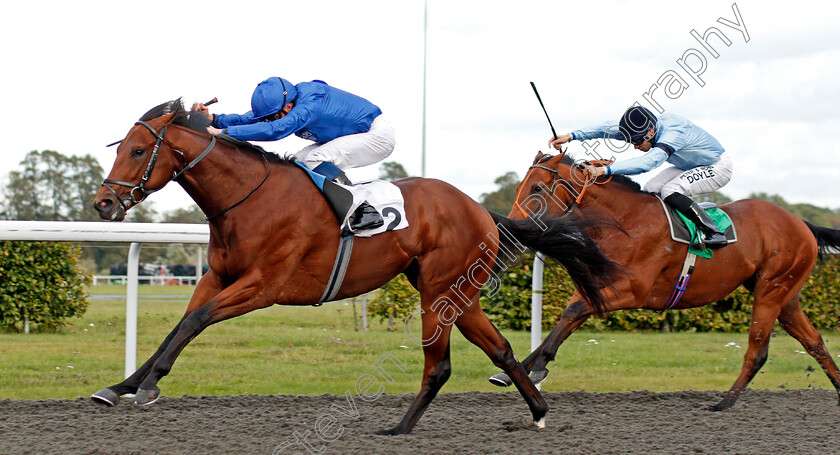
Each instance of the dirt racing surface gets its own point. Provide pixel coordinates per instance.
(792, 421)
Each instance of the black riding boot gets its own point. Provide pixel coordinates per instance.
(342, 179)
(713, 238)
(365, 216)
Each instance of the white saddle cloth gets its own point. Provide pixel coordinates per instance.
(386, 198)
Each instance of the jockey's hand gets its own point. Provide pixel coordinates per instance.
(200, 107)
(593, 172)
(556, 142)
(214, 131)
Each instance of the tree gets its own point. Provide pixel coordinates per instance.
(192, 215)
(811, 213)
(501, 200)
(391, 170)
(53, 187)
(716, 197)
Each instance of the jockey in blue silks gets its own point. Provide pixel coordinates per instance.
(698, 161)
(348, 130)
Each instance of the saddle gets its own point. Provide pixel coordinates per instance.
(684, 230)
(386, 198)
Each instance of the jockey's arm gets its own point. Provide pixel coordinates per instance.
(297, 119)
(650, 160)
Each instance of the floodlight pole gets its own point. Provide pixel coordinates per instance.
(423, 139)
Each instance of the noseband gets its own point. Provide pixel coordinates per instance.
(557, 180)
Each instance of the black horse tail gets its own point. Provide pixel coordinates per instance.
(566, 240)
(828, 240)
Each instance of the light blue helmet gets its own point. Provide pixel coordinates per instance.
(271, 95)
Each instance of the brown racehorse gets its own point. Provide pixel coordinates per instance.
(274, 239)
(772, 258)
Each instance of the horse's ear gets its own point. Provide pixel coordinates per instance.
(539, 156)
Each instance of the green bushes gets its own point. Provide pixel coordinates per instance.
(40, 283)
(396, 299)
(511, 306)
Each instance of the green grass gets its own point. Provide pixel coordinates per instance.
(305, 350)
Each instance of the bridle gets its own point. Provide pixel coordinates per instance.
(141, 189)
(557, 180)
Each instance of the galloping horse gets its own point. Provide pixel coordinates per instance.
(274, 238)
(772, 258)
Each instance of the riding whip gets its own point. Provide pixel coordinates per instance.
(543, 108)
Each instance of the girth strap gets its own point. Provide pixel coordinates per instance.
(682, 281)
(342, 259)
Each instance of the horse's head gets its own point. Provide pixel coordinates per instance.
(551, 187)
(145, 162)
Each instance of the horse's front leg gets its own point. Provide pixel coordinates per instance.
(208, 287)
(575, 314)
(241, 297)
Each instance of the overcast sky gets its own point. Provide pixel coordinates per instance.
(76, 75)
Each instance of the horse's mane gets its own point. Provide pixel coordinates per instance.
(189, 119)
(619, 179)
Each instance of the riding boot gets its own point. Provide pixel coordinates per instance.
(365, 217)
(712, 236)
(342, 179)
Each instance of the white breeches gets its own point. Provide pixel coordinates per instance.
(355, 150)
(700, 180)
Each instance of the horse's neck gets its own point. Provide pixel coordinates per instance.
(225, 175)
(623, 203)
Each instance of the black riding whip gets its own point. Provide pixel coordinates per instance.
(543, 108)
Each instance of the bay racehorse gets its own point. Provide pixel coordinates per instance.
(274, 239)
(772, 258)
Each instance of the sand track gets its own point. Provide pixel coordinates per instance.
(791, 421)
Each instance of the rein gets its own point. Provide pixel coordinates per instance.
(150, 167)
(557, 180)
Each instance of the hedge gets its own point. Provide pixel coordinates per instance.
(41, 281)
(510, 307)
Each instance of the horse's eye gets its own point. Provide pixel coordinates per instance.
(137, 153)
(538, 188)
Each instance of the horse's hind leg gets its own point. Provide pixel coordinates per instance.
(795, 323)
(207, 287)
(766, 309)
(435, 372)
(475, 326)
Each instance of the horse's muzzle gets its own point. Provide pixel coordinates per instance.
(109, 208)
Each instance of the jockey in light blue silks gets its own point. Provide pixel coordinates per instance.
(699, 163)
(349, 131)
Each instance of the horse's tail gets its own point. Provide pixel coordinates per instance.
(566, 240)
(828, 240)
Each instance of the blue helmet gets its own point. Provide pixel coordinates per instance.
(271, 95)
(635, 123)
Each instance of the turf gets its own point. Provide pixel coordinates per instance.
(312, 351)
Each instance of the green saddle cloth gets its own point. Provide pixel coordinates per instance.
(721, 219)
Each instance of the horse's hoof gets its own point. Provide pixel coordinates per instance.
(390, 432)
(538, 376)
(722, 406)
(145, 397)
(106, 397)
(540, 423)
(501, 380)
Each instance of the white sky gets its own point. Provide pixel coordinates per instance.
(76, 75)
